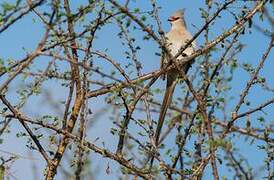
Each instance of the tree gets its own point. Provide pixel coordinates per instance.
(90, 90)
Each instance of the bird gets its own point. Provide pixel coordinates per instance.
(177, 37)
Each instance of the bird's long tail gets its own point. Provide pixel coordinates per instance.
(171, 83)
(165, 104)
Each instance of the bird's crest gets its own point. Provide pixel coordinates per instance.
(179, 13)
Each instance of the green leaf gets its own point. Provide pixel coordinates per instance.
(128, 22)
(7, 7)
(143, 18)
(136, 10)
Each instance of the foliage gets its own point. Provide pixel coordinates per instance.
(88, 91)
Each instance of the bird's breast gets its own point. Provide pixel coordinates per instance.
(175, 46)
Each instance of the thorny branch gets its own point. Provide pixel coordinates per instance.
(117, 80)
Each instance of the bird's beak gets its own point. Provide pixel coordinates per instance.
(170, 18)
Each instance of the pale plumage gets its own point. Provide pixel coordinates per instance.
(176, 38)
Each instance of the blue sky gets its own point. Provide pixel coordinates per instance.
(23, 37)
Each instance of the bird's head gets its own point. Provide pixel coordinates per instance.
(177, 17)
